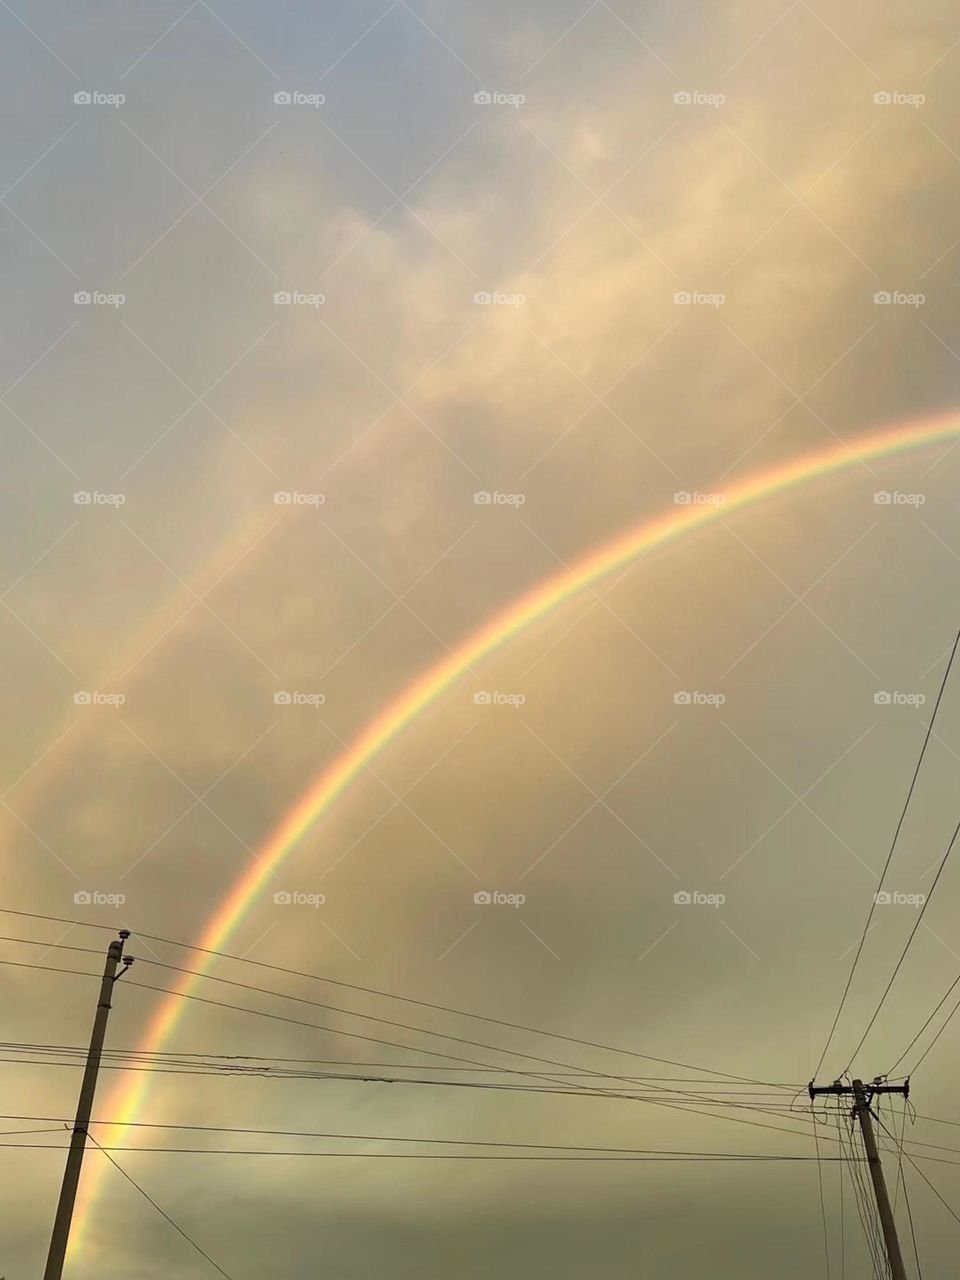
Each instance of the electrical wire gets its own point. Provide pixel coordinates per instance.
(675, 1105)
(893, 845)
(943, 1028)
(903, 954)
(164, 1054)
(377, 1137)
(866, 1211)
(823, 1207)
(843, 1241)
(176, 1226)
(386, 995)
(696, 1157)
(913, 1232)
(357, 1035)
(943, 1000)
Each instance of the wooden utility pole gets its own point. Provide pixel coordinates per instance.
(88, 1087)
(862, 1096)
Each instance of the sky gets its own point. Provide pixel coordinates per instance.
(343, 345)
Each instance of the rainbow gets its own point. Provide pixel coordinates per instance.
(68, 737)
(535, 605)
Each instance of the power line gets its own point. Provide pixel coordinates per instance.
(176, 1226)
(668, 1100)
(893, 845)
(913, 1232)
(903, 954)
(236, 1064)
(404, 1026)
(943, 1000)
(353, 1034)
(675, 1104)
(913, 1162)
(386, 995)
(266, 1074)
(823, 1207)
(388, 1155)
(902, 1182)
(173, 1055)
(843, 1240)
(386, 1137)
(494, 1048)
(260, 1013)
(866, 1208)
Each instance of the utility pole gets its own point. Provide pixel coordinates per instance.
(862, 1097)
(88, 1087)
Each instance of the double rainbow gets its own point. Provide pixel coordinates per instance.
(126, 1101)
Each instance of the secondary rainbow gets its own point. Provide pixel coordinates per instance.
(536, 604)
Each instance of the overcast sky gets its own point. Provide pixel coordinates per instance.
(585, 259)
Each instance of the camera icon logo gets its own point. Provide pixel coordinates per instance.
(483, 898)
(883, 897)
(883, 98)
(682, 698)
(83, 898)
(283, 498)
(82, 698)
(82, 299)
(483, 298)
(82, 99)
(883, 299)
(682, 898)
(83, 498)
(683, 498)
(482, 698)
(282, 99)
(683, 298)
(882, 699)
(483, 98)
(683, 98)
(483, 498)
(282, 698)
(282, 298)
(283, 899)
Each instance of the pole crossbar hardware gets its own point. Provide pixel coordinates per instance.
(88, 1087)
(863, 1095)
